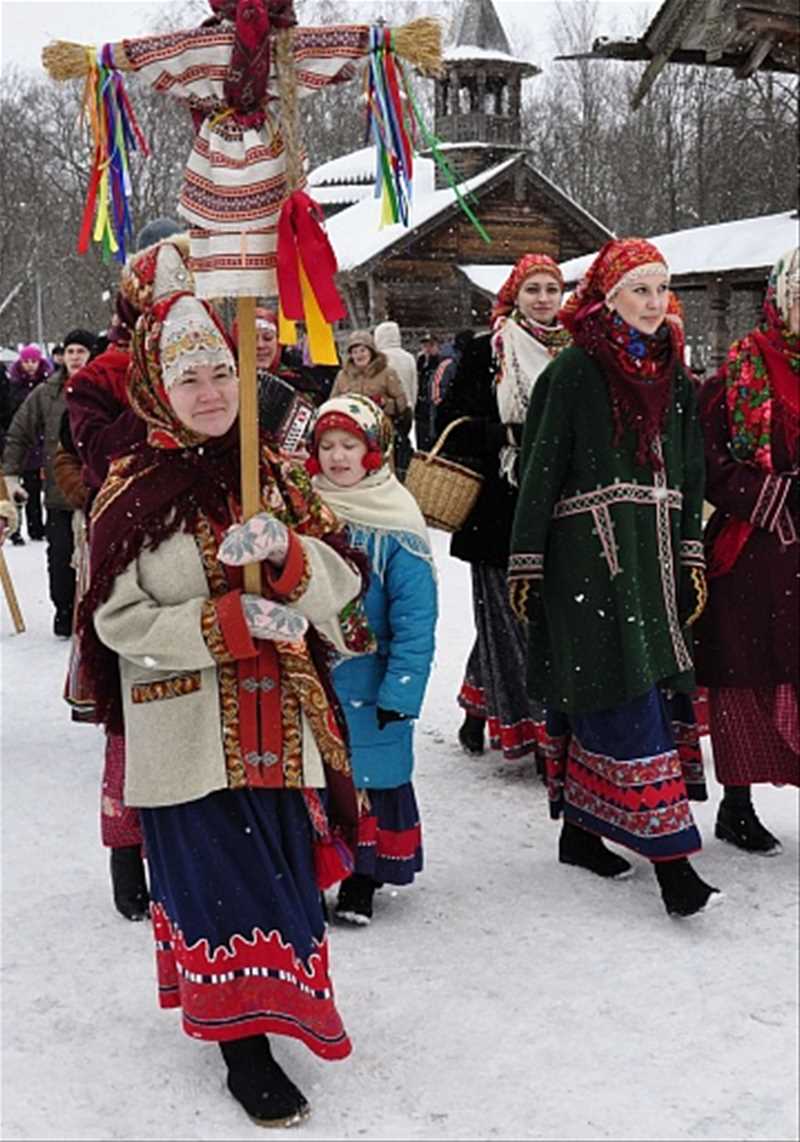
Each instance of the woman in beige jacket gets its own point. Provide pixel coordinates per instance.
(367, 371)
(236, 753)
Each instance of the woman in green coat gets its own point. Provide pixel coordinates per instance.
(607, 568)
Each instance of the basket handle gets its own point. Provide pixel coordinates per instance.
(434, 452)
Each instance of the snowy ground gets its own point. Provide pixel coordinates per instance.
(503, 996)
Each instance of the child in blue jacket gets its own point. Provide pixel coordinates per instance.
(382, 692)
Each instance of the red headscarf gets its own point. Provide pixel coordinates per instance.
(638, 368)
(618, 259)
(528, 264)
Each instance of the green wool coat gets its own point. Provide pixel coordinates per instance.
(605, 544)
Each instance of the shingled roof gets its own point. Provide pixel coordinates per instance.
(478, 25)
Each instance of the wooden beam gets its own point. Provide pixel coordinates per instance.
(758, 53)
(719, 300)
(761, 22)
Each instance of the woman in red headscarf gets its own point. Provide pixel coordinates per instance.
(492, 385)
(747, 641)
(607, 569)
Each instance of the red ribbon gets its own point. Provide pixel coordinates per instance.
(87, 221)
(302, 241)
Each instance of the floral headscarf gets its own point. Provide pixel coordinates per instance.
(528, 264)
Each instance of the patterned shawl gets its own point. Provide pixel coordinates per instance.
(761, 378)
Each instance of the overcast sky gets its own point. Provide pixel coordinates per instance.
(27, 25)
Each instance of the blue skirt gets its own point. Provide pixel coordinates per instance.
(627, 773)
(390, 837)
(240, 935)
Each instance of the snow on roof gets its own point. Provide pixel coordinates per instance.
(355, 235)
(469, 52)
(357, 166)
(747, 243)
(462, 146)
(342, 192)
(487, 278)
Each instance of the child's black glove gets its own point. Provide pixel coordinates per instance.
(386, 716)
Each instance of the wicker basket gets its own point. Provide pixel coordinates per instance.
(445, 491)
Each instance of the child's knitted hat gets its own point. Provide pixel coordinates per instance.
(360, 416)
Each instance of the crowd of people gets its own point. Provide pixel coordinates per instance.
(259, 746)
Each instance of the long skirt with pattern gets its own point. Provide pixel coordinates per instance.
(755, 735)
(390, 836)
(240, 936)
(494, 680)
(628, 773)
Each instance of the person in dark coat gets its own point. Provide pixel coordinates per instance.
(748, 638)
(524, 338)
(39, 418)
(607, 569)
(424, 411)
(26, 373)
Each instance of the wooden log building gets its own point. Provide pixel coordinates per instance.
(411, 275)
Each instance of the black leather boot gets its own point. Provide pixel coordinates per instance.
(470, 734)
(354, 901)
(586, 850)
(131, 897)
(684, 893)
(260, 1085)
(738, 824)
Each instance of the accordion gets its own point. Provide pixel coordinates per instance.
(284, 414)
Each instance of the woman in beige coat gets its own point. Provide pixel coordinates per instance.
(232, 729)
(367, 371)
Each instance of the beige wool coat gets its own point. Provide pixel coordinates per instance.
(377, 381)
(155, 620)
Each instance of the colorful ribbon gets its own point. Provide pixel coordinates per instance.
(306, 271)
(115, 133)
(393, 120)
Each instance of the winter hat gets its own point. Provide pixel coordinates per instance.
(621, 262)
(785, 279)
(361, 337)
(157, 231)
(174, 333)
(528, 264)
(30, 353)
(360, 416)
(80, 337)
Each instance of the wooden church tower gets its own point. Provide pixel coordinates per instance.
(479, 96)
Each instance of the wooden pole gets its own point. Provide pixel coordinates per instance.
(248, 426)
(11, 595)
(5, 576)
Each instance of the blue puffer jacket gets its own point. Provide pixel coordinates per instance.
(401, 609)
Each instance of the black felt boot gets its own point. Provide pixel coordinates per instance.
(354, 902)
(738, 824)
(585, 850)
(260, 1085)
(131, 897)
(470, 734)
(684, 893)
